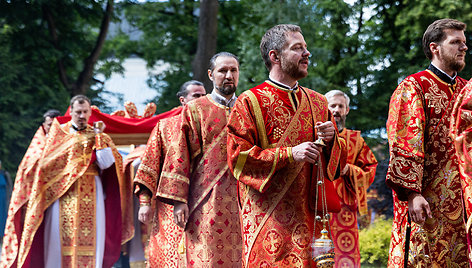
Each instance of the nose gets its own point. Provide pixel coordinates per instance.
(306, 53)
(229, 75)
(464, 47)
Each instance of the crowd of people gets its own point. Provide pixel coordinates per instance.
(253, 180)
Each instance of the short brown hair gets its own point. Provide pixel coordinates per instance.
(435, 33)
(274, 39)
(80, 98)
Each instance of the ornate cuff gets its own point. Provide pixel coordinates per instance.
(290, 154)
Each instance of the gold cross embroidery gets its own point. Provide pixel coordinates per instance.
(86, 231)
(87, 199)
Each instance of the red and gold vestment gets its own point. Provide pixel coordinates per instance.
(423, 160)
(196, 172)
(276, 194)
(352, 191)
(20, 195)
(165, 234)
(66, 172)
(461, 134)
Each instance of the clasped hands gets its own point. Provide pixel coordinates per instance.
(309, 151)
(181, 214)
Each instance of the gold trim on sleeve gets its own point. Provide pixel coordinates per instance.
(242, 157)
(175, 176)
(259, 120)
(276, 159)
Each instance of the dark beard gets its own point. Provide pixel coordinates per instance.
(228, 90)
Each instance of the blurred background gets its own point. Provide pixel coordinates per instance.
(142, 51)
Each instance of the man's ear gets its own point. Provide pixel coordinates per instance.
(274, 58)
(434, 48)
(210, 75)
(347, 110)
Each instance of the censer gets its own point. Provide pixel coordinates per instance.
(323, 247)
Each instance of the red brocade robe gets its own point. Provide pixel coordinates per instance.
(277, 195)
(20, 196)
(461, 133)
(352, 190)
(165, 234)
(66, 172)
(423, 160)
(196, 172)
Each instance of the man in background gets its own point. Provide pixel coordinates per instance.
(165, 235)
(356, 177)
(24, 181)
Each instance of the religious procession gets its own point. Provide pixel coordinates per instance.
(265, 176)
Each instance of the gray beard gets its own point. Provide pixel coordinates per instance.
(340, 126)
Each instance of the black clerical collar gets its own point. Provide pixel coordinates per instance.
(442, 75)
(294, 88)
(74, 126)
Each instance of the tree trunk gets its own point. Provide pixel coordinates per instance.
(206, 48)
(82, 84)
(86, 76)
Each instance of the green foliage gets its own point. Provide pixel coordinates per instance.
(169, 38)
(374, 243)
(29, 80)
(363, 47)
(25, 96)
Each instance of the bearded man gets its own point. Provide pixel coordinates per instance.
(424, 173)
(195, 177)
(272, 154)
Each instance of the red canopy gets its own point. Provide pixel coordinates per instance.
(124, 130)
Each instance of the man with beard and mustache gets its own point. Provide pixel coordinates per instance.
(195, 177)
(272, 154)
(424, 170)
(356, 177)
